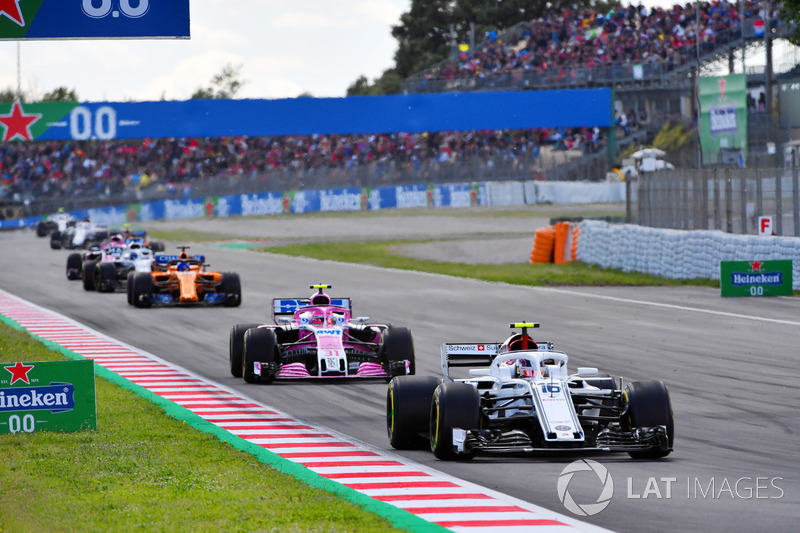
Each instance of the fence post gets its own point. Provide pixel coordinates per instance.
(779, 203)
(795, 200)
(717, 214)
(628, 200)
(728, 201)
(743, 197)
(704, 198)
(759, 195)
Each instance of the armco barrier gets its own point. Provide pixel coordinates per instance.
(678, 254)
(491, 193)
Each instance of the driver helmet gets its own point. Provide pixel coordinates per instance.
(524, 369)
(183, 267)
(318, 318)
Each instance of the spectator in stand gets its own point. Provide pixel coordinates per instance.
(560, 42)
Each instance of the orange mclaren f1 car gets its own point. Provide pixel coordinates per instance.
(183, 280)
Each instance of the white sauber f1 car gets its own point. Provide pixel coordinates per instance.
(521, 399)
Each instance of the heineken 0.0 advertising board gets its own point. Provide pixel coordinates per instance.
(47, 396)
(756, 278)
(723, 117)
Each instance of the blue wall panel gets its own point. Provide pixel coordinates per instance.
(351, 115)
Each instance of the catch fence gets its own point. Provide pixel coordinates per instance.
(726, 199)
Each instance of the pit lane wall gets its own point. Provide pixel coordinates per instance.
(679, 254)
(503, 193)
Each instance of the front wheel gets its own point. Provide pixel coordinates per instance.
(649, 406)
(105, 277)
(89, 269)
(260, 347)
(74, 266)
(236, 348)
(129, 286)
(408, 406)
(232, 288)
(454, 405)
(143, 290)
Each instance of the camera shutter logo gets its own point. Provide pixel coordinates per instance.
(586, 509)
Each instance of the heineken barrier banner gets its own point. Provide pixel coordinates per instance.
(756, 278)
(94, 19)
(723, 117)
(49, 396)
(407, 113)
(275, 203)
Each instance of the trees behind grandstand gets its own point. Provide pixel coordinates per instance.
(223, 85)
(790, 13)
(432, 29)
(59, 94)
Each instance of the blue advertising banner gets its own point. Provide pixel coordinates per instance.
(94, 19)
(306, 116)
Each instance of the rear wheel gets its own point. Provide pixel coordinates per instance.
(232, 288)
(454, 405)
(143, 289)
(74, 266)
(89, 270)
(236, 348)
(398, 347)
(105, 277)
(408, 408)
(260, 346)
(649, 406)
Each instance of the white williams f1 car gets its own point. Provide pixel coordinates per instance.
(521, 399)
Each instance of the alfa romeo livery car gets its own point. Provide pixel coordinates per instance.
(521, 399)
(317, 337)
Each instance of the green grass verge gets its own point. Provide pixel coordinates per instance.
(143, 471)
(575, 273)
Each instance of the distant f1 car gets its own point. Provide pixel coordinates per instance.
(79, 234)
(183, 280)
(521, 399)
(110, 267)
(55, 222)
(317, 337)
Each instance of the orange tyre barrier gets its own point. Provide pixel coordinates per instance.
(543, 245)
(563, 242)
(574, 247)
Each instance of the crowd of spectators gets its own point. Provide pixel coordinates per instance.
(65, 170)
(659, 37)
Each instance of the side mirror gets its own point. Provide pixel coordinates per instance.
(284, 320)
(585, 371)
(361, 319)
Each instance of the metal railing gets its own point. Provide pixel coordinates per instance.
(726, 199)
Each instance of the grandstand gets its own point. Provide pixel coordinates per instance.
(650, 59)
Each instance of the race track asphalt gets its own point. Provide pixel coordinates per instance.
(731, 366)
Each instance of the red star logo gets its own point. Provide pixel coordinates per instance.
(17, 123)
(19, 372)
(11, 9)
(756, 265)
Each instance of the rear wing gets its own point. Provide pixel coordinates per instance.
(467, 355)
(288, 306)
(162, 259)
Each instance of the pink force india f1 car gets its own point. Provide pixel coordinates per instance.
(317, 337)
(520, 399)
